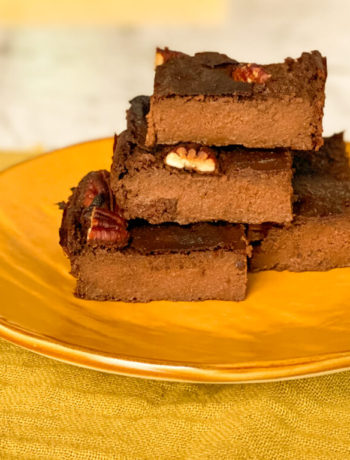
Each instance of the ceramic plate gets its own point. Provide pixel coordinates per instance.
(290, 325)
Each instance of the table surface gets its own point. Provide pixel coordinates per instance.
(62, 85)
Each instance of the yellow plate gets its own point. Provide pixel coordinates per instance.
(291, 325)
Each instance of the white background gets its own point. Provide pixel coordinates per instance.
(60, 86)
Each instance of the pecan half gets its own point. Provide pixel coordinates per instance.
(250, 73)
(197, 158)
(107, 227)
(164, 55)
(97, 192)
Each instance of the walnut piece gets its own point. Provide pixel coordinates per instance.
(107, 227)
(200, 159)
(250, 73)
(164, 55)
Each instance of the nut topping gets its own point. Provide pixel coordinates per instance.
(250, 73)
(200, 159)
(107, 227)
(101, 216)
(96, 189)
(164, 55)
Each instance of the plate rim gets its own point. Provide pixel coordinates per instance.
(84, 358)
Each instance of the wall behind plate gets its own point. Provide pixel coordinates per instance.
(69, 68)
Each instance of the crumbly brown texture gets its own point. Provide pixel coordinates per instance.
(133, 277)
(136, 120)
(285, 110)
(319, 236)
(331, 160)
(163, 262)
(250, 186)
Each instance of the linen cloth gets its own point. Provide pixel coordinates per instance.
(51, 410)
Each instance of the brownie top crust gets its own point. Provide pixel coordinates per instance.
(213, 74)
(143, 238)
(322, 180)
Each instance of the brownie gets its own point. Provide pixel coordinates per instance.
(136, 120)
(212, 99)
(331, 160)
(137, 262)
(244, 185)
(319, 236)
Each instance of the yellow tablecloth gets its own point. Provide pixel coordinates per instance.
(50, 410)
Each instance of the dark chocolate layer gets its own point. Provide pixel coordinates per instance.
(321, 196)
(331, 159)
(190, 76)
(136, 119)
(210, 74)
(322, 180)
(160, 239)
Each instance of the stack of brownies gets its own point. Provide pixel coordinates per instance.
(222, 169)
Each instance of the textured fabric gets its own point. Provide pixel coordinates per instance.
(51, 410)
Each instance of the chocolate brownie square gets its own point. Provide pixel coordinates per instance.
(138, 262)
(189, 183)
(319, 236)
(212, 99)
